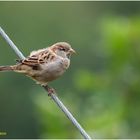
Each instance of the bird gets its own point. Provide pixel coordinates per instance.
(44, 65)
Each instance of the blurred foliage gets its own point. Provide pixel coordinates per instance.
(102, 85)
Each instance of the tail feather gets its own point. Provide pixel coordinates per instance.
(6, 68)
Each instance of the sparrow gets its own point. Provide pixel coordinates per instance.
(44, 65)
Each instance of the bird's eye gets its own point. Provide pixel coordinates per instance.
(61, 49)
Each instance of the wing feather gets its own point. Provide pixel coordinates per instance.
(39, 57)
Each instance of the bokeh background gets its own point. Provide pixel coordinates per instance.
(101, 87)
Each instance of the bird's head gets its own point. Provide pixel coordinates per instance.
(63, 49)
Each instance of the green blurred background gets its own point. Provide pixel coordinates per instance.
(102, 86)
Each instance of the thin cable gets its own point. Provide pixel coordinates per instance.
(53, 96)
(10, 42)
(70, 116)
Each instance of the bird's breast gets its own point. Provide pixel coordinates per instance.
(55, 69)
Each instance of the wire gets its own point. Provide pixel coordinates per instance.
(53, 96)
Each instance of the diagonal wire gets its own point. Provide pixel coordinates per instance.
(53, 96)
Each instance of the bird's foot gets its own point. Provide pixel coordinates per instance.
(50, 90)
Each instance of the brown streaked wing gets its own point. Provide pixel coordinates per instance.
(40, 58)
(30, 61)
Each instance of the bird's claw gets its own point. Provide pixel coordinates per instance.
(49, 90)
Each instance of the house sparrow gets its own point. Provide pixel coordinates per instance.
(44, 65)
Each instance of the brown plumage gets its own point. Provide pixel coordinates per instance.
(46, 64)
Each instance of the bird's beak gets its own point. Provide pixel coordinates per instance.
(72, 51)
